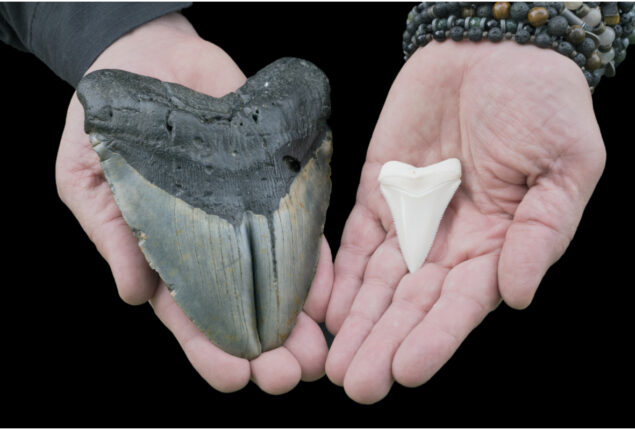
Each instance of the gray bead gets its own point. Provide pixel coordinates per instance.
(495, 34)
(565, 48)
(625, 6)
(586, 47)
(618, 45)
(580, 60)
(439, 35)
(411, 16)
(572, 18)
(558, 26)
(619, 57)
(609, 70)
(440, 10)
(484, 11)
(589, 77)
(456, 33)
(543, 40)
(523, 36)
(454, 8)
(474, 34)
(557, 5)
(511, 25)
(597, 76)
(426, 17)
(618, 31)
(518, 11)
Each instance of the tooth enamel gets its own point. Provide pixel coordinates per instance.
(417, 198)
(227, 196)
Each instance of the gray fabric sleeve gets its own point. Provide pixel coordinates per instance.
(68, 37)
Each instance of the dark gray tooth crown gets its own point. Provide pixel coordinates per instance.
(227, 196)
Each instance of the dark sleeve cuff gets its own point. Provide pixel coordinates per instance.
(68, 37)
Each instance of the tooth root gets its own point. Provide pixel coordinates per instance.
(417, 198)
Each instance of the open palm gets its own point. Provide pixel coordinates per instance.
(169, 49)
(521, 121)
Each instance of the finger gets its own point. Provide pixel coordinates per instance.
(136, 281)
(83, 188)
(308, 345)
(542, 228)
(385, 269)
(362, 235)
(369, 376)
(469, 293)
(276, 371)
(320, 292)
(221, 370)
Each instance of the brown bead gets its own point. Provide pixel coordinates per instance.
(612, 20)
(576, 34)
(610, 13)
(501, 10)
(594, 61)
(538, 16)
(467, 12)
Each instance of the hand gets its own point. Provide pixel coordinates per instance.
(169, 49)
(521, 121)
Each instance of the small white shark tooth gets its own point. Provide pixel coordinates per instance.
(417, 198)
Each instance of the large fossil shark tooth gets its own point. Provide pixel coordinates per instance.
(417, 198)
(227, 196)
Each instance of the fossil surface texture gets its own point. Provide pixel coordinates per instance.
(227, 196)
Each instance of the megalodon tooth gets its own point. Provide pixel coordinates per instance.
(417, 198)
(227, 196)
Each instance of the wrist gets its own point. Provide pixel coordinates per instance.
(588, 34)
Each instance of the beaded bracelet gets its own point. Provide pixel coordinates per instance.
(594, 35)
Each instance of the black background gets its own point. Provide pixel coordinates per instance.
(73, 354)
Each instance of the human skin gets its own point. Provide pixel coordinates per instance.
(161, 49)
(521, 121)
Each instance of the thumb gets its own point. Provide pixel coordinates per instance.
(542, 228)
